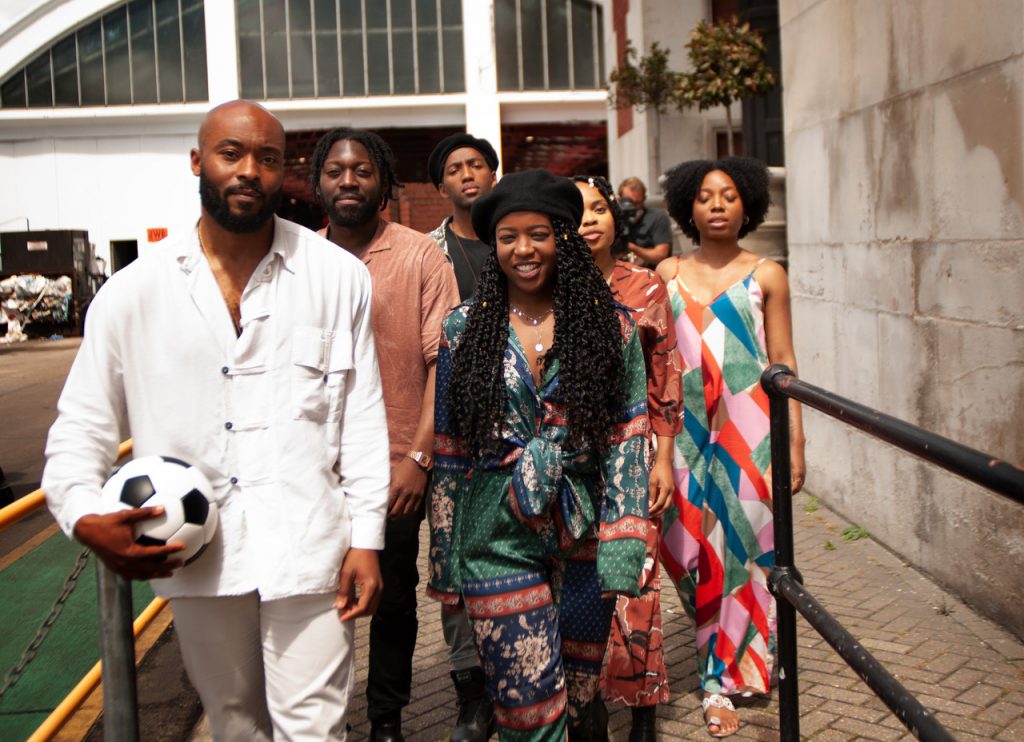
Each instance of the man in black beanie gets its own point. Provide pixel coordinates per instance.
(463, 168)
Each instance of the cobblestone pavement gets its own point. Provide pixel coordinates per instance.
(963, 667)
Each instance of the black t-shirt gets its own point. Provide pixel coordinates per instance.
(468, 258)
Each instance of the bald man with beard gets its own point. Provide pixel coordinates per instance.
(243, 346)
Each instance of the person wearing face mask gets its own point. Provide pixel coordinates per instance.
(635, 672)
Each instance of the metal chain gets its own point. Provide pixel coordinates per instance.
(44, 629)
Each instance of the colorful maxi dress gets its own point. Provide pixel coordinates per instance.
(530, 538)
(634, 672)
(717, 539)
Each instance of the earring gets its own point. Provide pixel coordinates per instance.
(746, 220)
(692, 223)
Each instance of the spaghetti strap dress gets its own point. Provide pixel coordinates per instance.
(718, 542)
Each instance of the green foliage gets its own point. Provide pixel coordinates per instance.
(829, 546)
(854, 533)
(728, 65)
(647, 84)
(812, 504)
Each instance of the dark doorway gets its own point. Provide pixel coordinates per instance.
(122, 252)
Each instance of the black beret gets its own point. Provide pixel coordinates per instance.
(529, 190)
(435, 163)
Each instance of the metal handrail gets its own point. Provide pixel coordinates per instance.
(117, 646)
(781, 385)
(36, 499)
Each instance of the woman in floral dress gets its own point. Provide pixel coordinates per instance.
(635, 672)
(538, 507)
(732, 319)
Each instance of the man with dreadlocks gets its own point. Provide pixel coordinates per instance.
(413, 287)
(539, 498)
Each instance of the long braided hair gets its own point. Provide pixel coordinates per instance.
(587, 343)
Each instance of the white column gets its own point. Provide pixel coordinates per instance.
(483, 113)
(221, 50)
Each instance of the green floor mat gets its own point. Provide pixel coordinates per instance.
(28, 589)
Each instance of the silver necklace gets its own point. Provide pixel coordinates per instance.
(534, 322)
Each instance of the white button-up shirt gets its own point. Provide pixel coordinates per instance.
(286, 419)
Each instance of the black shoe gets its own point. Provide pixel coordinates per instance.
(592, 725)
(387, 729)
(476, 712)
(645, 720)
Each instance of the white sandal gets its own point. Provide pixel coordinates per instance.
(719, 702)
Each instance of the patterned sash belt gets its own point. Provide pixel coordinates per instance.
(543, 476)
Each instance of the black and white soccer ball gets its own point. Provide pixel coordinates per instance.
(190, 513)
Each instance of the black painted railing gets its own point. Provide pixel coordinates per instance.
(786, 583)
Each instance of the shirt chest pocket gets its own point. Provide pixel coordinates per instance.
(321, 362)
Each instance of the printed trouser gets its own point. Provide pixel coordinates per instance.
(541, 637)
(635, 672)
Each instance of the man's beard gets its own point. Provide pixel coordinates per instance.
(351, 216)
(216, 205)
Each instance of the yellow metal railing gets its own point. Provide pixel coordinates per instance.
(19, 510)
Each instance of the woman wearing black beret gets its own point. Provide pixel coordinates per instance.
(539, 501)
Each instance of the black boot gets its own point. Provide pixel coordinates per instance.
(645, 721)
(476, 712)
(592, 724)
(387, 728)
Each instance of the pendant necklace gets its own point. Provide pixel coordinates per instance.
(465, 257)
(534, 322)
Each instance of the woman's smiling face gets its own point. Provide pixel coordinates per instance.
(526, 251)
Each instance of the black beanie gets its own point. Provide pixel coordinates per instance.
(435, 163)
(529, 190)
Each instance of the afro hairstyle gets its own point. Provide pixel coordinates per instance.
(682, 185)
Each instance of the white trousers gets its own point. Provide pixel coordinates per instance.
(278, 669)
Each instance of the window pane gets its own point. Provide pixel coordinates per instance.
(558, 45)
(533, 49)
(90, 64)
(115, 50)
(352, 48)
(507, 49)
(451, 21)
(65, 72)
(602, 76)
(427, 57)
(583, 50)
(275, 40)
(193, 30)
(168, 52)
(250, 49)
(37, 74)
(13, 91)
(377, 47)
(401, 46)
(300, 27)
(326, 49)
(140, 24)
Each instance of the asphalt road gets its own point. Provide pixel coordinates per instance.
(31, 377)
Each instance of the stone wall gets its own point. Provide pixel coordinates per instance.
(905, 191)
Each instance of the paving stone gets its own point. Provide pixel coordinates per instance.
(865, 730)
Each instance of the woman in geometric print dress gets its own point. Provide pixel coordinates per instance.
(538, 506)
(732, 318)
(634, 672)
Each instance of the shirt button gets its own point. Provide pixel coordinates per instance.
(227, 426)
(234, 480)
(224, 370)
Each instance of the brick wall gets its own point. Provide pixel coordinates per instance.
(419, 207)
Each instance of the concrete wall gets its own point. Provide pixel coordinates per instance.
(115, 187)
(905, 190)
